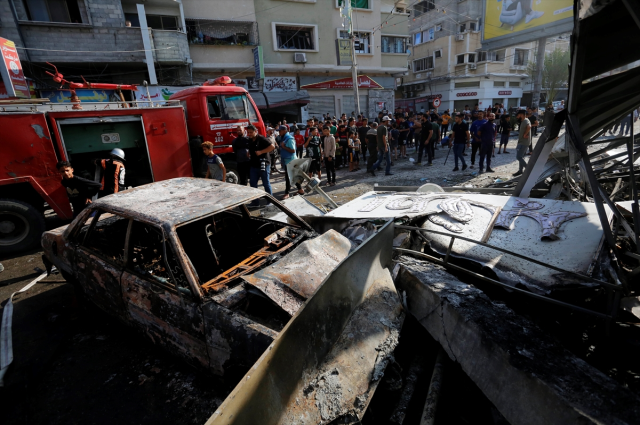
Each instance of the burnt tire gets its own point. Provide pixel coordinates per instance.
(21, 226)
(233, 176)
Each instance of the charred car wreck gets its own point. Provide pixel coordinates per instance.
(177, 260)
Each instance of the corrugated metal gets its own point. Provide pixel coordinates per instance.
(321, 105)
(348, 104)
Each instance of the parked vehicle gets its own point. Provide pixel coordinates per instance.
(178, 260)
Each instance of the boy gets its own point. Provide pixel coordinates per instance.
(215, 167)
(299, 143)
(329, 153)
(79, 190)
(313, 144)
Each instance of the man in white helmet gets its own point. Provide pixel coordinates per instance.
(112, 173)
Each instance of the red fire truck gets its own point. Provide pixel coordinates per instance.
(157, 145)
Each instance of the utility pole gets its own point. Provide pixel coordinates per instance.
(354, 73)
(537, 78)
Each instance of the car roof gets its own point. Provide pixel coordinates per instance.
(176, 201)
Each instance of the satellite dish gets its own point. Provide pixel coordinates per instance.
(430, 188)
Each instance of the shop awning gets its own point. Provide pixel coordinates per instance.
(277, 99)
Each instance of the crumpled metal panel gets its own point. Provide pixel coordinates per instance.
(326, 363)
(293, 279)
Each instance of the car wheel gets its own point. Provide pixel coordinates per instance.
(232, 177)
(21, 226)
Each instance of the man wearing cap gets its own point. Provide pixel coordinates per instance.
(524, 139)
(383, 148)
(112, 173)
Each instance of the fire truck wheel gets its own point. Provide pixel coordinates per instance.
(21, 226)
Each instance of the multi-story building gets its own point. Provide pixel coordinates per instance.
(447, 61)
(116, 41)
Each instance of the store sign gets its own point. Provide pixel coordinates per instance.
(505, 92)
(364, 82)
(258, 63)
(428, 98)
(272, 84)
(85, 95)
(343, 49)
(467, 94)
(11, 69)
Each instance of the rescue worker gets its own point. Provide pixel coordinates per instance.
(112, 173)
(79, 190)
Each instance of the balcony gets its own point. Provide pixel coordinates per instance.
(171, 47)
(209, 32)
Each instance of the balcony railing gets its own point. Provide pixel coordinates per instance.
(222, 33)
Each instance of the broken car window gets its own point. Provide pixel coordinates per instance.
(108, 236)
(147, 257)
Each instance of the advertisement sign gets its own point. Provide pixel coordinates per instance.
(258, 62)
(364, 82)
(157, 93)
(509, 22)
(85, 95)
(14, 81)
(467, 94)
(343, 48)
(272, 84)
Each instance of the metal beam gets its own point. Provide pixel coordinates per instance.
(634, 10)
(632, 177)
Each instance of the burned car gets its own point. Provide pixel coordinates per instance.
(191, 265)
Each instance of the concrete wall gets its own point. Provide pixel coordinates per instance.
(221, 57)
(236, 10)
(172, 46)
(106, 13)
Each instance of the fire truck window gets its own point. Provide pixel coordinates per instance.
(234, 108)
(253, 116)
(213, 105)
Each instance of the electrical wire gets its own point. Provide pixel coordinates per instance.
(94, 51)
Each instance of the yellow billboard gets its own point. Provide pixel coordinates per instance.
(505, 18)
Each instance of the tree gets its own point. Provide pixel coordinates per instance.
(555, 73)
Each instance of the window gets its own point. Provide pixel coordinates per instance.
(422, 64)
(499, 55)
(234, 107)
(213, 106)
(423, 7)
(54, 11)
(429, 35)
(514, 84)
(472, 26)
(393, 44)
(213, 32)
(253, 115)
(472, 58)
(459, 59)
(438, 54)
(462, 28)
(363, 39)
(357, 4)
(482, 56)
(520, 57)
(498, 84)
(147, 247)
(162, 22)
(295, 38)
(417, 38)
(107, 237)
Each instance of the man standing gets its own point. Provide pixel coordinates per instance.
(215, 167)
(474, 113)
(362, 135)
(112, 173)
(313, 144)
(445, 123)
(79, 190)
(435, 137)
(426, 132)
(329, 154)
(467, 114)
(240, 147)
(379, 118)
(372, 145)
(383, 148)
(475, 137)
(505, 130)
(487, 135)
(403, 130)
(524, 140)
(287, 154)
(460, 136)
(260, 162)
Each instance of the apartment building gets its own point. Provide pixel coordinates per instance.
(116, 41)
(447, 61)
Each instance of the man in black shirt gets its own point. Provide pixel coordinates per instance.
(362, 135)
(240, 147)
(79, 190)
(458, 140)
(259, 163)
(372, 145)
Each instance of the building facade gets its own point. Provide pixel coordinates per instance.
(447, 61)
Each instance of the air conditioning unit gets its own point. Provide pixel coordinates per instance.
(460, 37)
(300, 57)
(472, 66)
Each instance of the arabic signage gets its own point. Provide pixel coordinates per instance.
(427, 98)
(258, 62)
(272, 84)
(505, 93)
(343, 49)
(5, 95)
(364, 82)
(85, 95)
(467, 94)
(248, 83)
(11, 69)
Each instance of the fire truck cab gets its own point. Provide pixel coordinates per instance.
(213, 112)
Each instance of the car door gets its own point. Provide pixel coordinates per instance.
(157, 295)
(99, 261)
